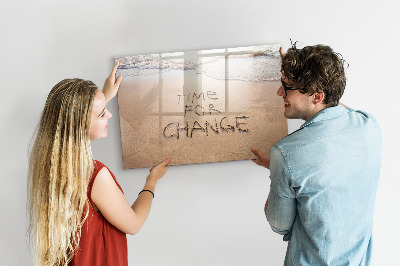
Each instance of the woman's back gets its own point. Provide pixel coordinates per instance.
(101, 243)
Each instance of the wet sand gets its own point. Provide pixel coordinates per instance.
(157, 123)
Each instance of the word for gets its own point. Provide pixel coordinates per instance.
(200, 110)
(173, 130)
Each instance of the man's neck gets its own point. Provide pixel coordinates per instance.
(318, 108)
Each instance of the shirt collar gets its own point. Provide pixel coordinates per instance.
(326, 114)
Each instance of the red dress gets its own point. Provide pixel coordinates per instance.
(101, 243)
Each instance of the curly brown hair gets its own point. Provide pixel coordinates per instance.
(316, 69)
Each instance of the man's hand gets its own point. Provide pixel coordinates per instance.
(111, 85)
(263, 159)
(345, 106)
(282, 52)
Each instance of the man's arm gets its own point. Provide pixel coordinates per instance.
(280, 213)
(280, 208)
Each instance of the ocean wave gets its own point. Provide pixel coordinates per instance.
(259, 63)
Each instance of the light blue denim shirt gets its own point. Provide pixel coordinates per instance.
(323, 183)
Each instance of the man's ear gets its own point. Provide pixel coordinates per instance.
(318, 97)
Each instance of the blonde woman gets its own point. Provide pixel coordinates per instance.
(78, 212)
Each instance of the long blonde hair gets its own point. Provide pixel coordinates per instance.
(60, 167)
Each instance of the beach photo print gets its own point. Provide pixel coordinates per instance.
(199, 106)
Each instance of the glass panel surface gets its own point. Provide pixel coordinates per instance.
(199, 106)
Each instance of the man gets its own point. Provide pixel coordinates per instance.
(323, 176)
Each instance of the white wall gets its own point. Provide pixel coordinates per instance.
(209, 214)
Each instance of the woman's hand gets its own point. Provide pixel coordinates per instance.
(263, 159)
(158, 171)
(111, 85)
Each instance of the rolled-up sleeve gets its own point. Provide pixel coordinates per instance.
(281, 210)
